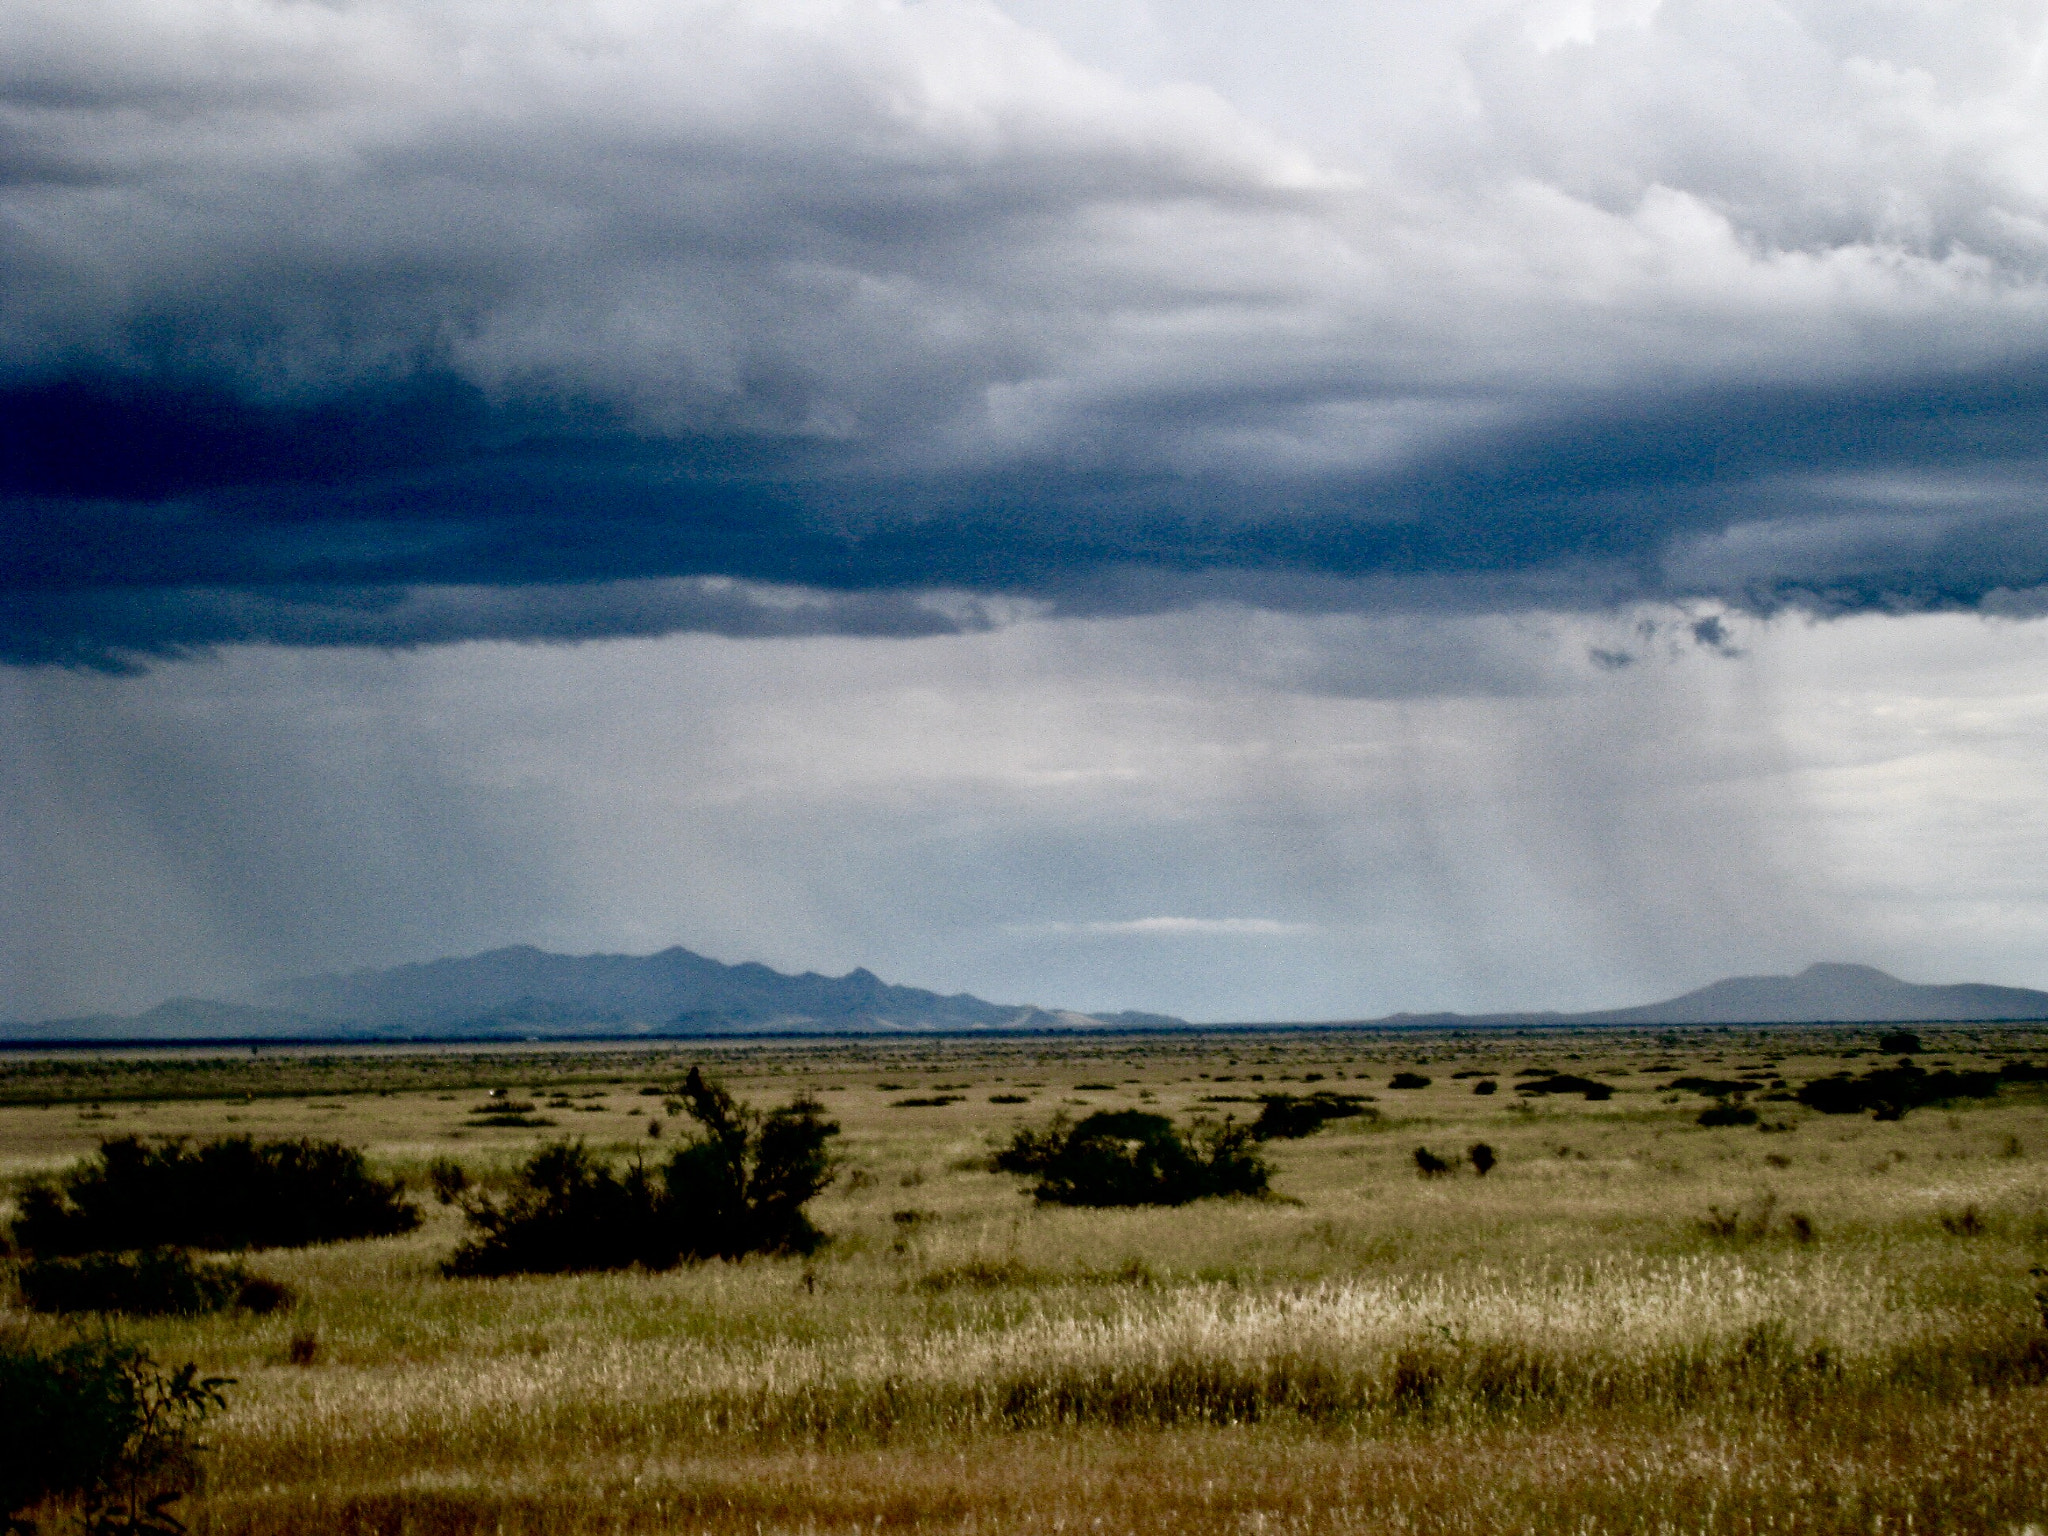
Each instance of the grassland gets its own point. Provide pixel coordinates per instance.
(1634, 1323)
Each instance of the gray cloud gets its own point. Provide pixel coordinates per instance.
(107, 631)
(418, 322)
(1014, 810)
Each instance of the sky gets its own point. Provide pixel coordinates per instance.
(1304, 512)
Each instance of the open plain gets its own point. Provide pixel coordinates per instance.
(1633, 1322)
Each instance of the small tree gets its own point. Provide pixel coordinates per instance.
(1286, 1117)
(1481, 1157)
(1129, 1157)
(101, 1424)
(738, 1187)
(1429, 1165)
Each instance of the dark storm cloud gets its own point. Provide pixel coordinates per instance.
(423, 324)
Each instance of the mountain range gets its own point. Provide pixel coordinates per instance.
(1820, 994)
(527, 993)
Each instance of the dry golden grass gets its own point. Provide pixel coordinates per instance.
(1563, 1345)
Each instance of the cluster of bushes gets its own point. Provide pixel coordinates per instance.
(1126, 1157)
(1565, 1082)
(1889, 1092)
(1714, 1087)
(114, 1234)
(147, 1282)
(1756, 1221)
(1289, 1117)
(739, 1187)
(102, 1426)
(1479, 1154)
(228, 1194)
(1727, 1112)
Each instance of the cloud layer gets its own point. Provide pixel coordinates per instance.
(1219, 814)
(400, 323)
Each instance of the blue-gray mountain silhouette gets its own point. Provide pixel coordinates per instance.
(523, 992)
(1820, 994)
(1833, 993)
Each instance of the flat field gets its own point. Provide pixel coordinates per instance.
(1632, 1323)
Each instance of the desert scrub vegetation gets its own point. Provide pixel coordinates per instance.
(149, 1282)
(1132, 1157)
(1289, 1117)
(739, 1187)
(1621, 1327)
(98, 1432)
(1889, 1092)
(230, 1193)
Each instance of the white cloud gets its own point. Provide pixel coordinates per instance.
(1168, 927)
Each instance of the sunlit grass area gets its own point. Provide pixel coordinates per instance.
(1632, 1322)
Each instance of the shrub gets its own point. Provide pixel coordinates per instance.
(148, 1283)
(1889, 1092)
(100, 1423)
(448, 1179)
(1485, 1086)
(1482, 1158)
(1726, 1113)
(1969, 1222)
(1753, 1222)
(1713, 1087)
(738, 1187)
(1429, 1165)
(976, 1275)
(1286, 1117)
(1407, 1080)
(1125, 1157)
(1565, 1082)
(227, 1194)
(1900, 1042)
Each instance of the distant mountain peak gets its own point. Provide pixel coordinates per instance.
(522, 991)
(1831, 991)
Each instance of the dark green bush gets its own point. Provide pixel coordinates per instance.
(227, 1194)
(101, 1424)
(1429, 1165)
(1565, 1082)
(1726, 1113)
(1713, 1087)
(1902, 1042)
(448, 1179)
(1889, 1092)
(1482, 1157)
(1126, 1157)
(1407, 1080)
(148, 1283)
(739, 1187)
(1289, 1117)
